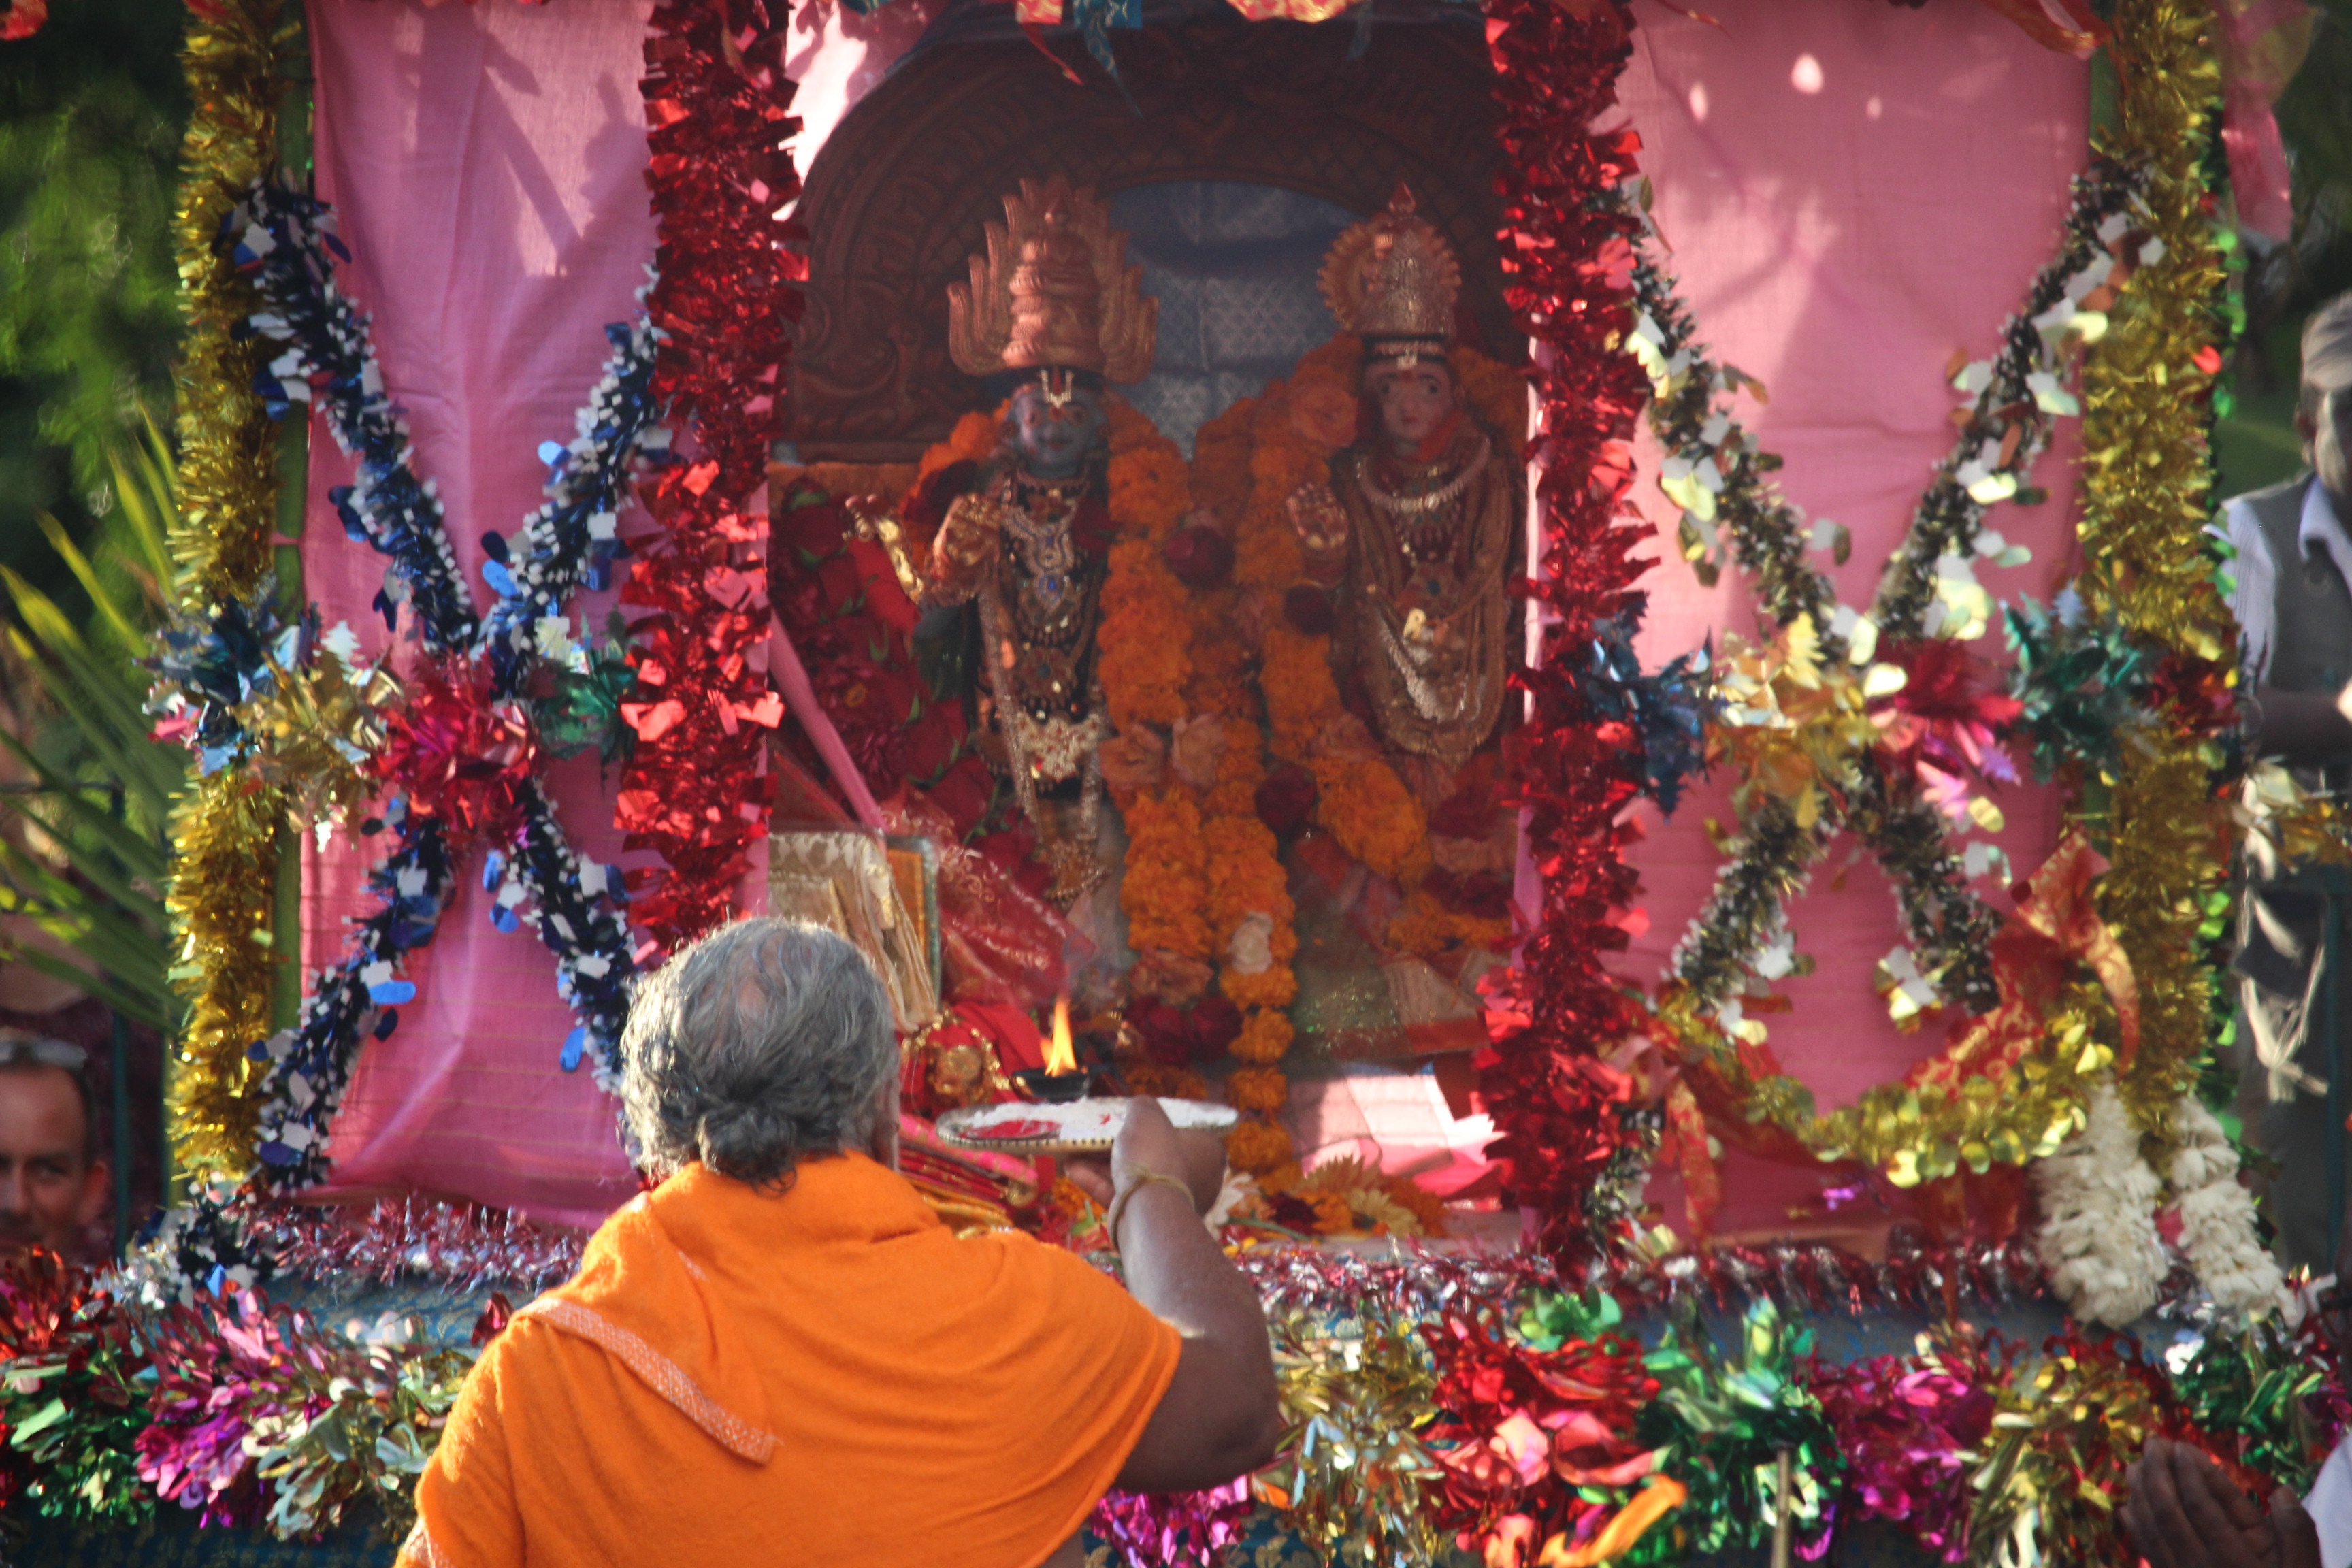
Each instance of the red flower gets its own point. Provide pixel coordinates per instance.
(1179, 1036)
(927, 504)
(1201, 557)
(1308, 609)
(1091, 527)
(1285, 799)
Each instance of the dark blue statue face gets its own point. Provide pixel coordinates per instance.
(1055, 434)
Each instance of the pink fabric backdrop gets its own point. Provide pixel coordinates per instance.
(487, 162)
(1853, 191)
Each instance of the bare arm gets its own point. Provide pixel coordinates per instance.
(1222, 1414)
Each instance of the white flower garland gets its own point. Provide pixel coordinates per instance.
(2098, 1237)
(2217, 1218)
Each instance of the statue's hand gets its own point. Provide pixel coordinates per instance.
(967, 542)
(1322, 529)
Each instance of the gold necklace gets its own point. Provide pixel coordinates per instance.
(1428, 502)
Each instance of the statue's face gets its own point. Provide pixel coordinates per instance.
(1054, 437)
(1415, 401)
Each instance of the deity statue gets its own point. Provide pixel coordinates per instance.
(1054, 307)
(1413, 536)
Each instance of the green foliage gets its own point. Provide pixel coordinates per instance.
(89, 863)
(91, 109)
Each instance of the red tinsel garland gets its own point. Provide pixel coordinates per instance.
(1564, 1115)
(716, 96)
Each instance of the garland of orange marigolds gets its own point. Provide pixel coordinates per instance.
(1204, 892)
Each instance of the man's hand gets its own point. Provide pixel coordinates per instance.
(1148, 1144)
(1222, 1414)
(2184, 1513)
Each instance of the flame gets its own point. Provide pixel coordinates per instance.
(1059, 1057)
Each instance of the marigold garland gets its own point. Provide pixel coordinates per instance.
(1247, 462)
(1359, 797)
(1199, 865)
(1165, 891)
(225, 832)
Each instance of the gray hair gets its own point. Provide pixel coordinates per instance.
(765, 1043)
(2326, 351)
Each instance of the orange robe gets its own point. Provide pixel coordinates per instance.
(826, 1376)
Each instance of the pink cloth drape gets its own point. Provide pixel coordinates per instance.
(1853, 193)
(486, 162)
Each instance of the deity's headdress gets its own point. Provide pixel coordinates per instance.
(1393, 281)
(1054, 292)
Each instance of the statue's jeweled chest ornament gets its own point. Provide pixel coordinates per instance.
(1054, 302)
(1413, 534)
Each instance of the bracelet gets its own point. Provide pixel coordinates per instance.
(1119, 1200)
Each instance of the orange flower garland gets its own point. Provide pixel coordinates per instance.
(1200, 867)
(1292, 432)
(1165, 891)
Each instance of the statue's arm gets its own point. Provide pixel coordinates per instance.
(1321, 524)
(1501, 497)
(964, 551)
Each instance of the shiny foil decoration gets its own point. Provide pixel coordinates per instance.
(2148, 559)
(1535, 1442)
(225, 832)
(1883, 797)
(716, 96)
(1576, 1133)
(457, 761)
(2066, 1430)
(1911, 1427)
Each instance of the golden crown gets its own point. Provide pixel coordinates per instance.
(1393, 281)
(1053, 291)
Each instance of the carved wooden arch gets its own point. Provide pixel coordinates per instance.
(897, 196)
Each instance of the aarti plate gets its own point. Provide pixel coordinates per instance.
(1073, 1127)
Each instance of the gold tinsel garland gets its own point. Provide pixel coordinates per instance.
(2145, 501)
(225, 831)
(2146, 484)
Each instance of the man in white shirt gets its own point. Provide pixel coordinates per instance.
(2294, 604)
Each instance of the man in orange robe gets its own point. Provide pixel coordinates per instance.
(780, 1355)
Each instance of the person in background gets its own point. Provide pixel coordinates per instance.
(2294, 611)
(781, 1354)
(53, 1180)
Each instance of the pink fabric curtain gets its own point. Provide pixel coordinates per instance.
(1852, 192)
(486, 166)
